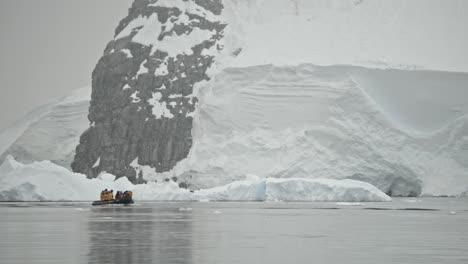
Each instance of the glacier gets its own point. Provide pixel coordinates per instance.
(45, 181)
(332, 122)
(49, 132)
(344, 90)
(309, 121)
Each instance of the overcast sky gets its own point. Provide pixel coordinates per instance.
(50, 47)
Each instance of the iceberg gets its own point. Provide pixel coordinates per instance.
(46, 181)
(295, 189)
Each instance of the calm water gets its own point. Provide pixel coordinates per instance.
(422, 230)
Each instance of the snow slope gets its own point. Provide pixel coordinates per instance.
(50, 132)
(422, 34)
(45, 181)
(403, 131)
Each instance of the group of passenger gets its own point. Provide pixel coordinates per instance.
(109, 195)
(127, 195)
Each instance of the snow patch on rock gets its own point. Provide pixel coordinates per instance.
(135, 98)
(127, 53)
(142, 69)
(149, 29)
(159, 109)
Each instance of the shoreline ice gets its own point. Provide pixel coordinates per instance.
(45, 181)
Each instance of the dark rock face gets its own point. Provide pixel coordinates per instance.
(142, 103)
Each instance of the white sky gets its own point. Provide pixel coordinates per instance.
(50, 47)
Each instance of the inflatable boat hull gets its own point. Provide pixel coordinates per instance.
(112, 202)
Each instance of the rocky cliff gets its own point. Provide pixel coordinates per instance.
(142, 100)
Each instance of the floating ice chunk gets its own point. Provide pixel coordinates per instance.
(349, 204)
(295, 189)
(41, 181)
(412, 200)
(236, 191)
(325, 190)
(82, 209)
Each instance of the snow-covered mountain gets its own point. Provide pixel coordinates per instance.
(207, 92)
(142, 101)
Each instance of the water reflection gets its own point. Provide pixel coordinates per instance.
(139, 235)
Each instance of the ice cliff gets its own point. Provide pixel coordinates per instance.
(403, 131)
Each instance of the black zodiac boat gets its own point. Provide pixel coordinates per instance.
(113, 202)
